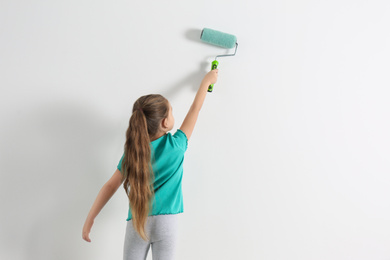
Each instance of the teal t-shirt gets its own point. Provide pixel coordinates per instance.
(168, 152)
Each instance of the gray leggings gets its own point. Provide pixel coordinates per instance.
(162, 232)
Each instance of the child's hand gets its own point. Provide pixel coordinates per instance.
(211, 77)
(87, 229)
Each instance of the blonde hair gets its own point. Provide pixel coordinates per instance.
(148, 112)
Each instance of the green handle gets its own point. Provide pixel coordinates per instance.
(214, 65)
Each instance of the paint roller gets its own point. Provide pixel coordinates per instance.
(220, 39)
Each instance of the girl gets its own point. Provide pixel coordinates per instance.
(151, 170)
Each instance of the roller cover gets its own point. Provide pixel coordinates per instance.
(218, 38)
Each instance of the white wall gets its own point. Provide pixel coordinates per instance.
(290, 155)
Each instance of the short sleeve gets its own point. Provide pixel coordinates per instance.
(120, 163)
(181, 139)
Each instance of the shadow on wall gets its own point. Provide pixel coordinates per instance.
(194, 79)
(52, 163)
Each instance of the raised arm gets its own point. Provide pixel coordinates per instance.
(192, 116)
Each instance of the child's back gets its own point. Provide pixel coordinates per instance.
(167, 163)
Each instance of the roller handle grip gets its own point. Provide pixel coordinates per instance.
(214, 65)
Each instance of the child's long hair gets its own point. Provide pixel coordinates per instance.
(148, 111)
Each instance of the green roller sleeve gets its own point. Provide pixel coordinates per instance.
(214, 65)
(218, 38)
